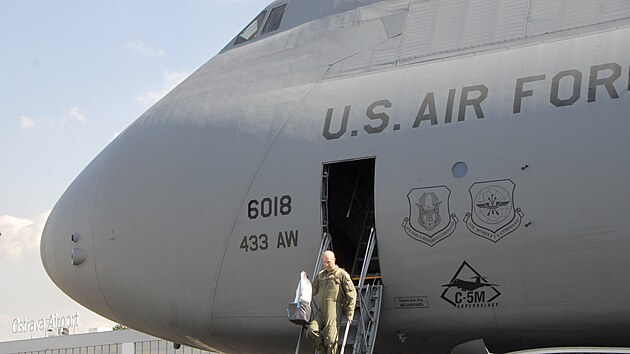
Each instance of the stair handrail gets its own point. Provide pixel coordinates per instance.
(345, 337)
(364, 343)
(367, 258)
(364, 294)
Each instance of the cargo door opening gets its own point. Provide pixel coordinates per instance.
(348, 213)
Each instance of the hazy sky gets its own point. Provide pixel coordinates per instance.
(73, 74)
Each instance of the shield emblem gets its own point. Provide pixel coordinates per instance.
(493, 214)
(429, 219)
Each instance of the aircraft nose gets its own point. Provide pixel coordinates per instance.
(67, 244)
(137, 237)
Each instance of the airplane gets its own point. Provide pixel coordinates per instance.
(333, 117)
(469, 285)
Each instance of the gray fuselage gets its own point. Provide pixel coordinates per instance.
(530, 248)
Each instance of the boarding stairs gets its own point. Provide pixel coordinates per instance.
(364, 326)
(373, 268)
(359, 336)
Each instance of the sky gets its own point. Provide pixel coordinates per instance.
(73, 75)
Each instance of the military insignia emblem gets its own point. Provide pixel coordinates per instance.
(430, 219)
(493, 215)
(469, 289)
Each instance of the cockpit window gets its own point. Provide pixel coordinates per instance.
(252, 29)
(273, 22)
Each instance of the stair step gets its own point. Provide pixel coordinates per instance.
(374, 258)
(361, 338)
(349, 343)
(369, 276)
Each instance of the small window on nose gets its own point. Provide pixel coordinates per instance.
(251, 30)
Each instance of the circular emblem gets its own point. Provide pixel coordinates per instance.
(492, 204)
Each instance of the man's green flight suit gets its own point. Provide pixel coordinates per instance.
(336, 296)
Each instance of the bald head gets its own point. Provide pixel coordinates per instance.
(328, 258)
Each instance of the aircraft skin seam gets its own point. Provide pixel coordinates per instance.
(98, 281)
(244, 197)
(529, 16)
(491, 48)
(400, 45)
(371, 47)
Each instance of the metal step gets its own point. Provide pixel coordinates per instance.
(364, 327)
(362, 249)
(365, 322)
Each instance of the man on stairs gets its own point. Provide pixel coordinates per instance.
(335, 295)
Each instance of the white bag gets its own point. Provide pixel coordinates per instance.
(299, 311)
(304, 290)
